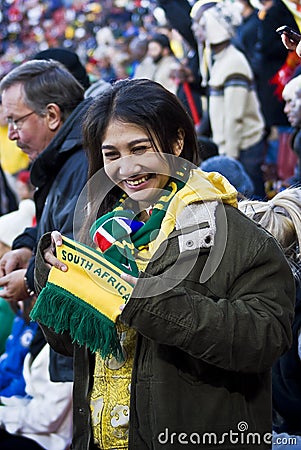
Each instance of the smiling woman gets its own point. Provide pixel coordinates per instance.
(131, 161)
(212, 299)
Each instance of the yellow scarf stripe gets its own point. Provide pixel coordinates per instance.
(91, 278)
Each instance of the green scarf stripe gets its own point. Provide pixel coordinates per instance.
(124, 250)
(86, 325)
(142, 236)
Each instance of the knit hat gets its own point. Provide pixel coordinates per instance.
(233, 170)
(70, 60)
(221, 19)
(199, 8)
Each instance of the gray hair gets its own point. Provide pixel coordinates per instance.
(44, 82)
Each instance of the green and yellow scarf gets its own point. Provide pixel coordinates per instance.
(86, 300)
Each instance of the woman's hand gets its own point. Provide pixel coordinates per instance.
(49, 253)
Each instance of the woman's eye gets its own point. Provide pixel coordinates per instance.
(140, 150)
(111, 155)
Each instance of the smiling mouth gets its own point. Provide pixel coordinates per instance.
(137, 181)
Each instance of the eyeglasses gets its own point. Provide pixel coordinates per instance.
(18, 123)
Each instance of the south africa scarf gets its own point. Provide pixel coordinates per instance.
(86, 300)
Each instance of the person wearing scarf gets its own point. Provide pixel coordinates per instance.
(173, 303)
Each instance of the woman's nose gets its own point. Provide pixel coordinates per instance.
(128, 166)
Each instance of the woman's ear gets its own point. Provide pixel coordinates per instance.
(54, 116)
(179, 144)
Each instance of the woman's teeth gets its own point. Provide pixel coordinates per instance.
(137, 182)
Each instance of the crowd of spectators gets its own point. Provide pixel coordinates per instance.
(30, 26)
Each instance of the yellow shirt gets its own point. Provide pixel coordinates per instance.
(110, 398)
(12, 158)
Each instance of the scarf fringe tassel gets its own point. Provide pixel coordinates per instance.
(61, 310)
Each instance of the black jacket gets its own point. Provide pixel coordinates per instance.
(8, 201)
(59, 174)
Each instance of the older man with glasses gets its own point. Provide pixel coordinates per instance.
(43, 104)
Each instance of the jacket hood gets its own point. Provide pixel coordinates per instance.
(209, 186)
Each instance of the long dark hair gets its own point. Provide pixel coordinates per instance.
(146, 104)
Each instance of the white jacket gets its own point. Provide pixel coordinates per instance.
(234, 110)
(45, 414)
